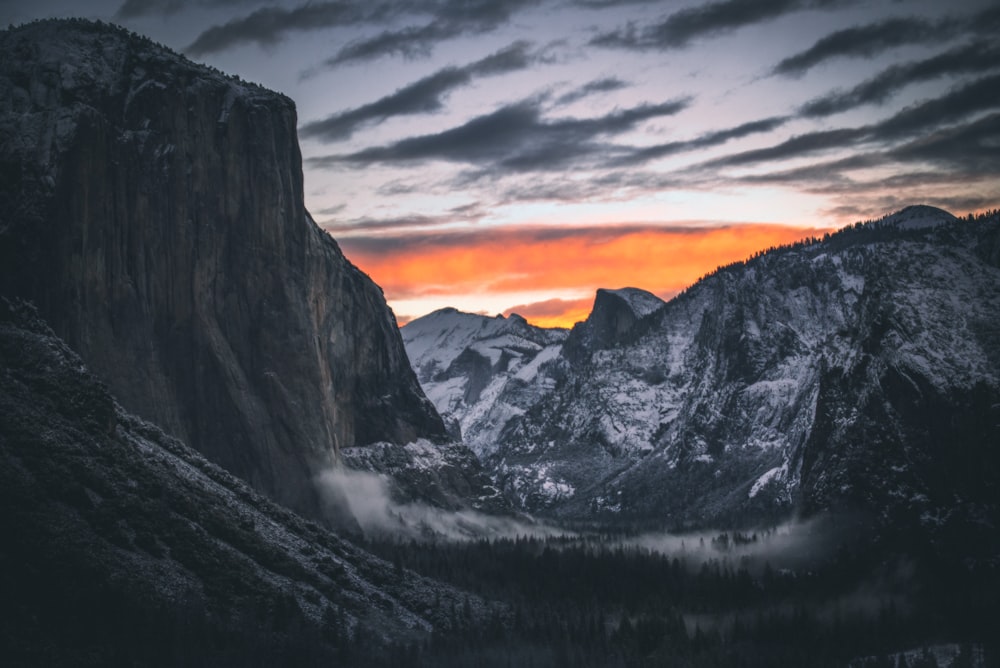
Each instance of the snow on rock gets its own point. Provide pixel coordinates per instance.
(480, 372)
(762, 383)
(777, 473)
(641, 302)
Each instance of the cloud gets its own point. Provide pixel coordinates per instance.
(869, 40)
(410, 42)
(462, 214)
(961, 102)
(799, 145)
(520, 259)
(269, 25)
(975, 57)
(953, 167)
(554, 312)
(514, 138)
(862, 42)
(704, 20)
(367, 497)
(135, 8)
(706, 140)
(453, 18)
(971, 147)
(604, 85)
(958, 104)
(423, 96)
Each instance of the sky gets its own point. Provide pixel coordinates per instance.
(504, 156)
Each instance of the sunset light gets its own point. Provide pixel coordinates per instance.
(426, 272)
(516, 156)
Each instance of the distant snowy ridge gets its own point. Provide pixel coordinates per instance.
(812, 376)
(480, 372)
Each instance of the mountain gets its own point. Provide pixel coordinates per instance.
(480, 372)
(153, 211)
(123, 546)
(860, 372)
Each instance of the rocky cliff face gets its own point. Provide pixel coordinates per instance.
(861, 372)
(481, 373)
(153, 210)
(124, 546)
(613, 320)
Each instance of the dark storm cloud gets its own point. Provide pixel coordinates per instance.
(962, 157)
(976, 96)
(454, 18)
(986, 22)
(410, 42)
(606, 4)
(972, 147)
(958, 104)
(605, 85)
(794, 147)
(685, 26)
(512, 138)
(135, 8)
(862, 42)
(462, 214)
(970, 58)
(463, 238)
(423, 96)
(869, 40)
(706, 140)
(269, 25)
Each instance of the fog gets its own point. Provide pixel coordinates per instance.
(791, 545)
(367, 498)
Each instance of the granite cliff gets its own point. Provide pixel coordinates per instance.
(123, 546)
(857, 374)
(153, 211)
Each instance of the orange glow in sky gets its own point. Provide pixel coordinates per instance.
(564, 263)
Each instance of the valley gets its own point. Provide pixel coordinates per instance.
(218, 448)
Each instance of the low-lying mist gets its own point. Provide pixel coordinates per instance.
(367, 498)
(792, 545)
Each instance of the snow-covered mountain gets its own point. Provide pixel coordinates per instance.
(481, 372)
(857, 371)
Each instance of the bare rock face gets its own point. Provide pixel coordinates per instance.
(612, 321)
(153, 211)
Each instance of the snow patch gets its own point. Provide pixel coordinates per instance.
(777, 473)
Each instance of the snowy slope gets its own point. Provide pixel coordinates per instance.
(109, 511)
(827, 374)
(480, 372)
(714, 412)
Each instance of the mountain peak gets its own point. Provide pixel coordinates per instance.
(641, 302)
(612, 320)
(186, 182)
(918, 216)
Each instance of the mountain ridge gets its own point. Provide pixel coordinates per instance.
(707, 413)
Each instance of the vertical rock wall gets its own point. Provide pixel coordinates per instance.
(153, 210)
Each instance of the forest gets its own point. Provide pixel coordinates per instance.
(604, 602)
